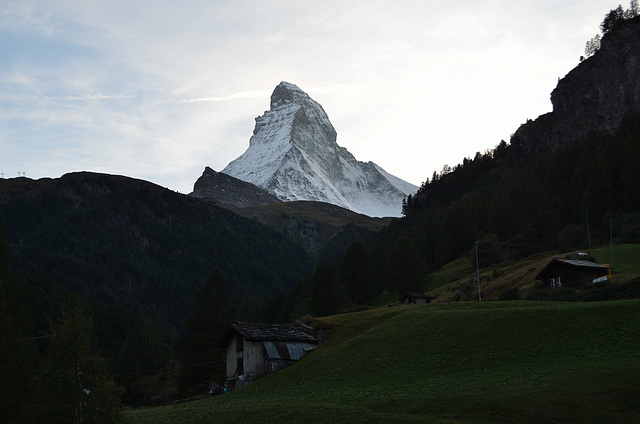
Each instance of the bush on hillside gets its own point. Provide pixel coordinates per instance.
(538, 292)
(512, 293)
(607, 291)
(592, 293)
(489, 251)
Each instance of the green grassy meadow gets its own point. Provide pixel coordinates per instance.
(465, 362)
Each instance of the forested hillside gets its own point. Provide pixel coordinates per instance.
(137, 250)
(512, 208)
(522, 207)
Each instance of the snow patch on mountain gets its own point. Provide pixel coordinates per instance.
(294, 155)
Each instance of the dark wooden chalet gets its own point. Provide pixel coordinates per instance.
(571, 273)
(254, 349)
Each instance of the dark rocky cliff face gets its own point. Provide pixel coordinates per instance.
(222, 189)
(592, 97)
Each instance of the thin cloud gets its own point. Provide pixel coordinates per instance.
(90, 97)
(20, 78)
(235, 96)
(20, 16)
(83, 98)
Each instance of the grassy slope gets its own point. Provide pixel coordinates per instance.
(458, 280)
(626, 259)
(485, 362)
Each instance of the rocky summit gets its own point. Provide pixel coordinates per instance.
(221, 189)
(594, 96)
(293, 154)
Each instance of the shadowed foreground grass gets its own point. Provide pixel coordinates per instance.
(490, 362)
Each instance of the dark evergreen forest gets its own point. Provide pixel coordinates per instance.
(138, 248)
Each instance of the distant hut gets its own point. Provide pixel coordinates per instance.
(411, 298)
(572, 273)
(254, 349)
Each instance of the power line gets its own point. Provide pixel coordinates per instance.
(34, 338)
(177, 357)
(169, 368)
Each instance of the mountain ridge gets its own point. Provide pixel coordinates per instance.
(225, 190)
(133, 246)
(320, 228)
(314, 225)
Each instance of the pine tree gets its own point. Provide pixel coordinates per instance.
(325, 293)
(592, 46)
(633, 10)
(611, 19)
(357, 274)
(145, 359)
(407, 271)
(74, 385)
(17, 348)
(200, 350)
(212, 310)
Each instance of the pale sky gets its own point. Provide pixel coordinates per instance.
(160, 89)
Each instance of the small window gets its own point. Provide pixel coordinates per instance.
(239, 343)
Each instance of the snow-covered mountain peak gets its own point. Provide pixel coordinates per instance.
(293, 154)
(286, 92)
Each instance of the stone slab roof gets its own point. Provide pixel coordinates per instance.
(273, 332)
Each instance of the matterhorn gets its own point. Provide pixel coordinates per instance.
(293, 154)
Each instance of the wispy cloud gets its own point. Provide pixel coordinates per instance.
(96, 96)
(20, 78)
(234, 96)
(17, 15)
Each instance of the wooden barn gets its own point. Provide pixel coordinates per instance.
(571, 273)
(254, 350)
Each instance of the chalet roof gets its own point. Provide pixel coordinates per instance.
(417, 295)
(573, 263)
(576, 263)
(291, 351)
(272, 332)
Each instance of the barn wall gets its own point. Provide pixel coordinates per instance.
(231, 358)
(572, 277)
(253, 355)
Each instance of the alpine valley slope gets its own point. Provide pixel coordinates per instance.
(293, 154)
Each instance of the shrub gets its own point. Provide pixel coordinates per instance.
(548, 293)
(627, 290)
(512, 293)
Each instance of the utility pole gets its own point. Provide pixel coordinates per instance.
(478, 270)
(611, 243)
(586, 212)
